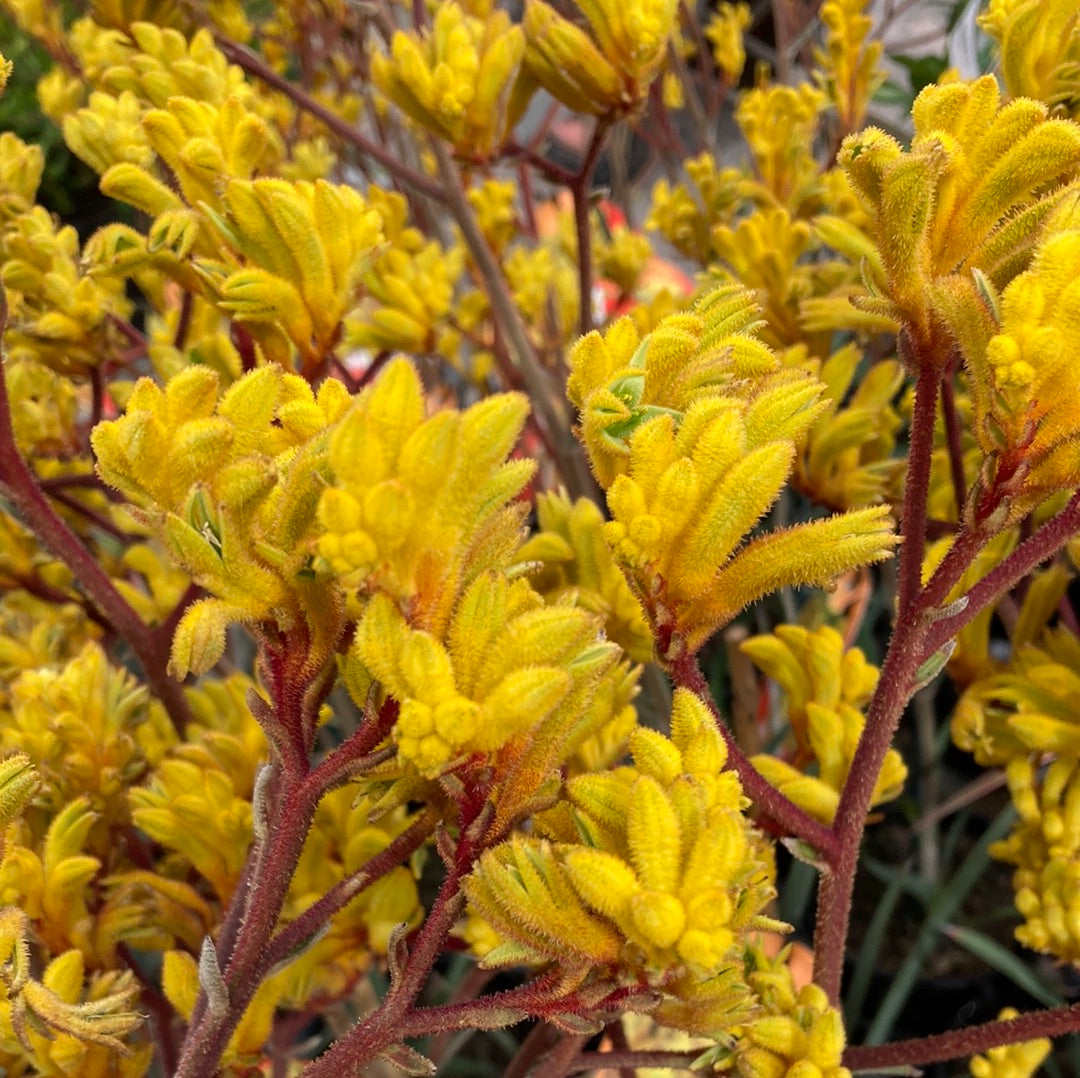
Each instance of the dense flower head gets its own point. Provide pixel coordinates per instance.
(1040, 49)
(970, 194)
(609, 70)
(79, 723)
(1024, 401)
(458, 78)
(693, 433)
(646, 871)
(226, 481)
(725, 29)
(418, 505)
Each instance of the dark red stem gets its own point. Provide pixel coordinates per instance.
(965, 1042)
(902, 661)
(581, 189)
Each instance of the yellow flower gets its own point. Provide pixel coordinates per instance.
(654, 875)
(979, 180)
(1025, 406)
(460, 80)
(849, 67)
(725, 30)
(412, 498)
(575, 563)
(693, 432)
(778, 123)
(611, 70)
(1040, 48)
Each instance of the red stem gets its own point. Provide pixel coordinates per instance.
(965, 1042)
(917, 487)
(383, 1028)
(1036, 549)
(953, 442)
(344, 891)
(686, 673)
(902, 661)
(581, 189)
(208, 1033)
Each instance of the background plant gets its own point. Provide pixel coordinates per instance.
(387, 508)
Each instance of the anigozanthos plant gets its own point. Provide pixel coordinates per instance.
(849, 66)
(1040, 49)
(725, 29)
(611, 69)
(692, 431)
(64, 1022)
(386, 666)
(227, 481)
(575, 562)
(1024, 406)
(676, 211)
(409, 287)
(418, 506)
(1012, 719)
(648, 875)
(849, 459)
(460, 78)
(970, 195)
(778, 123)
(60, 316)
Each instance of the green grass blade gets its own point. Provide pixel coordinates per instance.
(940, 911)
(872, 943)
(1004, 961)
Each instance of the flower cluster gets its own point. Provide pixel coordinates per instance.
(692, 430)
(650, 870)
(824, 687)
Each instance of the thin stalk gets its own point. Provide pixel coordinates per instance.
(294, 934)
(953, 442)
(383, 1029)
(581, 189)
(958, 1043)
(1036, 549)
(546, 397)
(902, 661)
(256, 906)
(209, 1033)
(917, 488)
(244, 58)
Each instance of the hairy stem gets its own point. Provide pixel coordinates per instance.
(895, 685)
(917, 487)
(294, 934)
(1037, 548)
(965, 1042)
(383, 1029)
